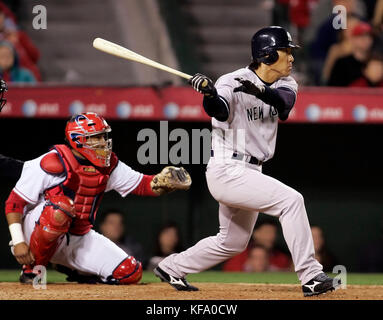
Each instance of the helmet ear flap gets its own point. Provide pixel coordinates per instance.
(270, 58)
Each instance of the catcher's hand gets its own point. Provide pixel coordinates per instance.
(171, 179)
(203, 84)
(23, 253)
(249, 87)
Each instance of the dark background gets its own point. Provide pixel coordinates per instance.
(338, 169)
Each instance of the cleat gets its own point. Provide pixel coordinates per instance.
(318, 285)
(179, 284)
(27, 275)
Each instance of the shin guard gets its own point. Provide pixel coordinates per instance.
(128, 271)
(54, 222)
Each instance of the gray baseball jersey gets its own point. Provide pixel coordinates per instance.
(258, 119)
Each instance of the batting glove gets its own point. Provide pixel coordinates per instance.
(203, 84)
(249, 87)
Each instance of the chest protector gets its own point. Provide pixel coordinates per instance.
(85, 185)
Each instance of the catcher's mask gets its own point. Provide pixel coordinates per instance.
(88, 133)
(3, 88)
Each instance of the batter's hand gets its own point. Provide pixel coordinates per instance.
(203, 84)
(249, 87)
(23, 254)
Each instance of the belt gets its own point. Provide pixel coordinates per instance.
(243, 157)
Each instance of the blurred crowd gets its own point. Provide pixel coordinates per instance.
(263, 254)
(332, 55)
(18, 55)
(339, 48)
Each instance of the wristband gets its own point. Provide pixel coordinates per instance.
(16, 233)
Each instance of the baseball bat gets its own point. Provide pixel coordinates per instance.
(119, 51)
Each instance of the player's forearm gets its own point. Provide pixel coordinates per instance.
(13, 217)
(20, 248)
(282, 99)
(14, 208)
(144, 188)
(216, 107)
(15, 227)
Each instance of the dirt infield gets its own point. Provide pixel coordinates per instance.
(161, 291)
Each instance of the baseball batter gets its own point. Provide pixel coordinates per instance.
(245, 107)
(52, 209)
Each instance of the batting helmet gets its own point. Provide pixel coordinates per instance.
(266, 42)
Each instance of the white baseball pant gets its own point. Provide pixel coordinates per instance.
(242, 191)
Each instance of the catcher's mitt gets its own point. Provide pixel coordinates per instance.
(171, 179)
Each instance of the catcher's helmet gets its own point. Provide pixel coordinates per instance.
(83, 126)
(266, 42)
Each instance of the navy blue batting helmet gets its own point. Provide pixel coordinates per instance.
(266, 42)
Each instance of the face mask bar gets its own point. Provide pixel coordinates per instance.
(102, 150)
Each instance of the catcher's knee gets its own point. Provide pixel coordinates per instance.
(54, 222)
(57, 214)
(129, 271)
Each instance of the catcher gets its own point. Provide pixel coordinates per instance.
(53, 207)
